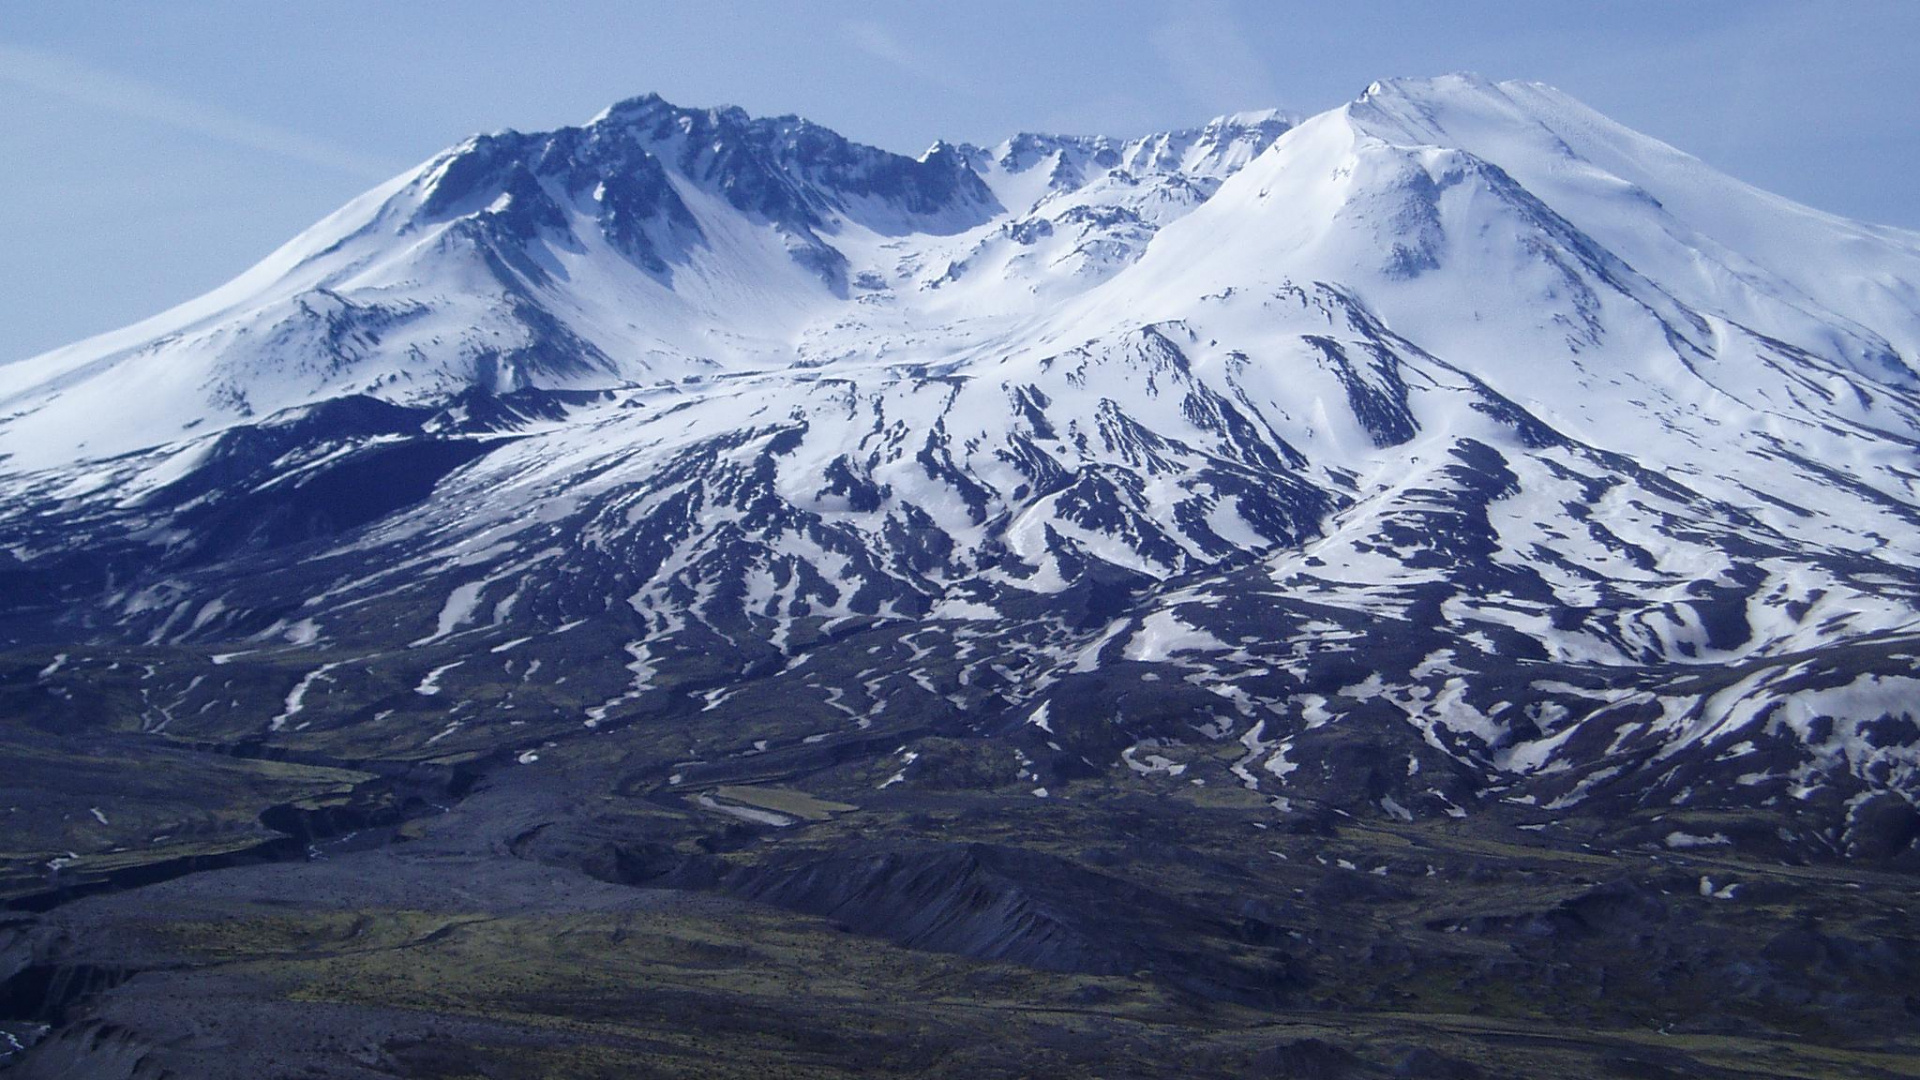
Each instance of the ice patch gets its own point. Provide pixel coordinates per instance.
(455, 613)
(1152, 764)
(1677, 839)
(430, 685)
(297, 697)
(1162, 634)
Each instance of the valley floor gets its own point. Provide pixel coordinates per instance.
(584, 915)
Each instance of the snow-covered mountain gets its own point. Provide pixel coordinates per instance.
(1453, 449)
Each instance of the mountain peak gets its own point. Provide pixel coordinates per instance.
(638, 105)
(1431, 87)
(695, 202)
(1252, 118)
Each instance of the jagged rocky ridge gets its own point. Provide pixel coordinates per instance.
(1454, 451)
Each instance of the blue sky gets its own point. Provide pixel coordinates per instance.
(149, 152)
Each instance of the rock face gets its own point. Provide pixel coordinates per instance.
(1454, 444)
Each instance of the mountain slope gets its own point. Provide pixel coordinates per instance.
(1458, 419)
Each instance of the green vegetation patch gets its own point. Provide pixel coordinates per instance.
(784, 801)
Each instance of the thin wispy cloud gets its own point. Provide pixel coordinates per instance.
(1207, 54)
(84, 84)
(884, 45)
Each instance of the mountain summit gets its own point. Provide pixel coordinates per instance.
(652, 243)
